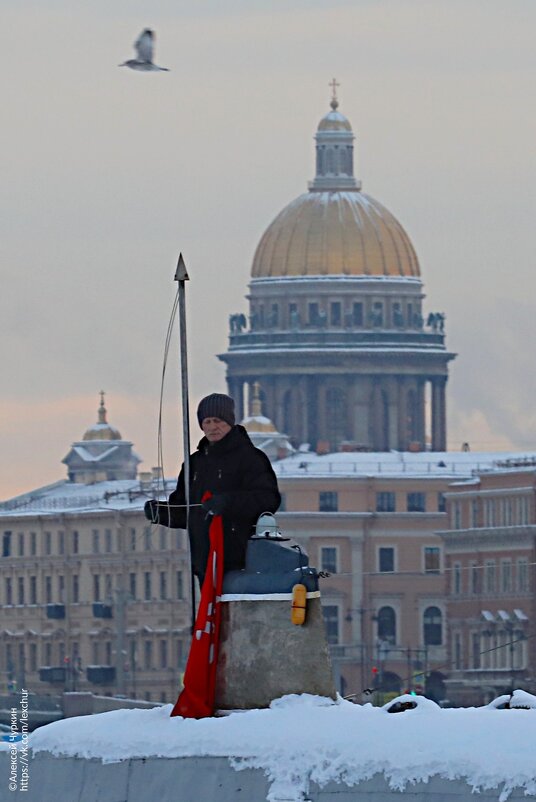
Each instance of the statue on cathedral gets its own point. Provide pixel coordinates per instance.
(237, 323)
(436, 321)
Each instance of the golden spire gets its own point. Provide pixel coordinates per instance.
(334, 100)
(102, 409)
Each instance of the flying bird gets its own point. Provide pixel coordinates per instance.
(144, 49)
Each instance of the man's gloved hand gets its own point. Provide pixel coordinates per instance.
(216, 504)
(150, 511)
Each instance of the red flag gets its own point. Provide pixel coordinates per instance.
(196, 700)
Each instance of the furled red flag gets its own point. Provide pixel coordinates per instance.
(196, 700)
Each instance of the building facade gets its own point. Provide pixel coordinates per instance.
(490, 560)
(337, 336)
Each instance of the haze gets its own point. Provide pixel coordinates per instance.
(108, 174)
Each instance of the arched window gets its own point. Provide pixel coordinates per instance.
(386, 624)
(433, 626)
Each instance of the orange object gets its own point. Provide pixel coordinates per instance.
(299, 604)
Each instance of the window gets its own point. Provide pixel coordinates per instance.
(386, 622)
(489, 512)
(313, 314)
(108, 540)
(76, 542)
(48, 542)
(475, 578)
(95, 652)
(458, 651)
(475, 642)
(357, 314)
(523, 574)
(180, 585)
(474, 513)
(522, 510)
(48, 654)
(96, 587)
(331, 622)
(33, 590)
(148, 654)
(163, 585)
(328, 501)
(441, 502)
(416, 502)
(76, 588)
(328, 559)
(33, 656)
(132, 586)
(456, 579)
(147, 592)
(21, 544)
(335, 313)
(132, 540)
(20, 590)
(456, 515)
(386, 559)
(433, 626)
(385, 502)
(48, 590)
(61, 542)
(148, 538)
(61, 589)
(96, 541)
(506, 576)
(108, 653)
(163, 654)
(274, 315)
(108, 587)
(6, 544)
(33, 543)
(432, 557)
(490, 576)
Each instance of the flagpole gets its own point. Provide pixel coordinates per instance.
(181, 276)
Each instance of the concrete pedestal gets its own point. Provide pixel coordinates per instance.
(264, 656)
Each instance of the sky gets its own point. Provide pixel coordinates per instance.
(107, 174)
(324, 742)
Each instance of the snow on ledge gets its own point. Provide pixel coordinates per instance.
(308, 738)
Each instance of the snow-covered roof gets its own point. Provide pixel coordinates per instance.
(306, 738)
(423, 464)
(65, 496)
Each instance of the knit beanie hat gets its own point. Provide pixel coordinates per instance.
(216, 405)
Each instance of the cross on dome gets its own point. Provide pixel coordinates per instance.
(334, 100)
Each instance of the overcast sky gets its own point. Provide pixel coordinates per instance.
(108, 173)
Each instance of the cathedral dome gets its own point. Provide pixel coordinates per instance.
(335, 229)
(335, 233)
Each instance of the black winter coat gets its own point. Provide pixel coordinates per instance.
(232, 466)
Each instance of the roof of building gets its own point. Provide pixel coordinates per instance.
(131, 494)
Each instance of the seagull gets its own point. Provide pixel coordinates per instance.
(144, 49)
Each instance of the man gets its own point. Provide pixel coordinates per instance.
(239, 477)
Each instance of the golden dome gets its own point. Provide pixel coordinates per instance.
(335, 233)
(102, 429)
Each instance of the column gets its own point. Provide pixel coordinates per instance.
(439, 422)
(235, 388)
(403, 434)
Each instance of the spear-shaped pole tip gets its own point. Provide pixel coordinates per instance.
(181, 273)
